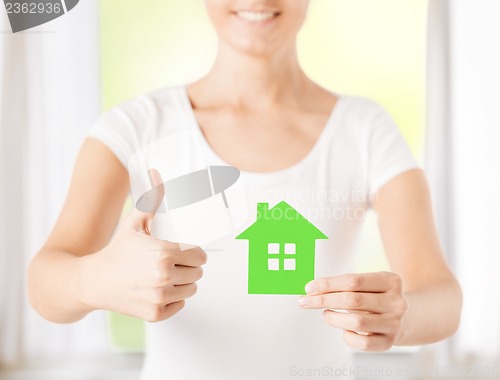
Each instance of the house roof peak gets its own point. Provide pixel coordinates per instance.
(281, 219)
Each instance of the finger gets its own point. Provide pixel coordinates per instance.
(373, 343)
(148, 204)
(366, 322)
(186, 275)
(372, 302)
(162, 312)
(165, 295)
(355, 282)
(181, 292)
(173, 308)
(193, 257)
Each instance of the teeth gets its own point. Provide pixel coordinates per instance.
(256, 16)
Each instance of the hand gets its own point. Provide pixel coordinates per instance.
(139, 275)
(373, 305)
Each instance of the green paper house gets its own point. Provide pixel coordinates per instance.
(281, 250)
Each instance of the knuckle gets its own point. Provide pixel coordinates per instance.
(354, 300)
(164, 259)
(401, 306)
(159, 296)
(395, 326)
(394, 280)
(159, 247)
(354, 281)
(320, 299)
(168, 259)
(154, 314)
(162, 277)
(318, 286)
(159, 252)
(358, 323)
(322, 285)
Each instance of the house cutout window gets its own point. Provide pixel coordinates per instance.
(289, 264)
(274, 263)
(273, 248)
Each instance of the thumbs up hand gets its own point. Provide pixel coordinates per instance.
(139, 275)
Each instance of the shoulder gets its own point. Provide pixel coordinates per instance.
(361, 109)
(150, 105)
(149, 115)
(364, 119)
(135, 123)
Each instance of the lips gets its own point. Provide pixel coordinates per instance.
(256, 16)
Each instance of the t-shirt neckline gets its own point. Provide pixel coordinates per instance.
(276, 175)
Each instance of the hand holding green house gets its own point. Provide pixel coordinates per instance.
(281, 250)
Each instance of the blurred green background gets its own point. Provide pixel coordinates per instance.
(373, 48)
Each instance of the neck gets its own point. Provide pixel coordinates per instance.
(256, 80)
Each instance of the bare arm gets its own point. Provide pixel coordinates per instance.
(408, 231)
(80, 269)
(90, 213)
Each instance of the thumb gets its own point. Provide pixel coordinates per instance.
(148, 204)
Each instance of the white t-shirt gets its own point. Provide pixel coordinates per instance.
(224, 332)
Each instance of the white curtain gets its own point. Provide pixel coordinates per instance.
(50, 95)
(463, 160)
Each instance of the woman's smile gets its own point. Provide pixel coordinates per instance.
(256, 17)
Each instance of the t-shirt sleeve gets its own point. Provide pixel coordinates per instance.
(117, 130)
(389, 154)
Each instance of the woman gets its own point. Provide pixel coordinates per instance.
(257, 111)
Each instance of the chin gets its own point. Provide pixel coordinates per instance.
(257, 44)
(254, 48)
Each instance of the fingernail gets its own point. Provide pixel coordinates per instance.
(303, 301)
(310, 287)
